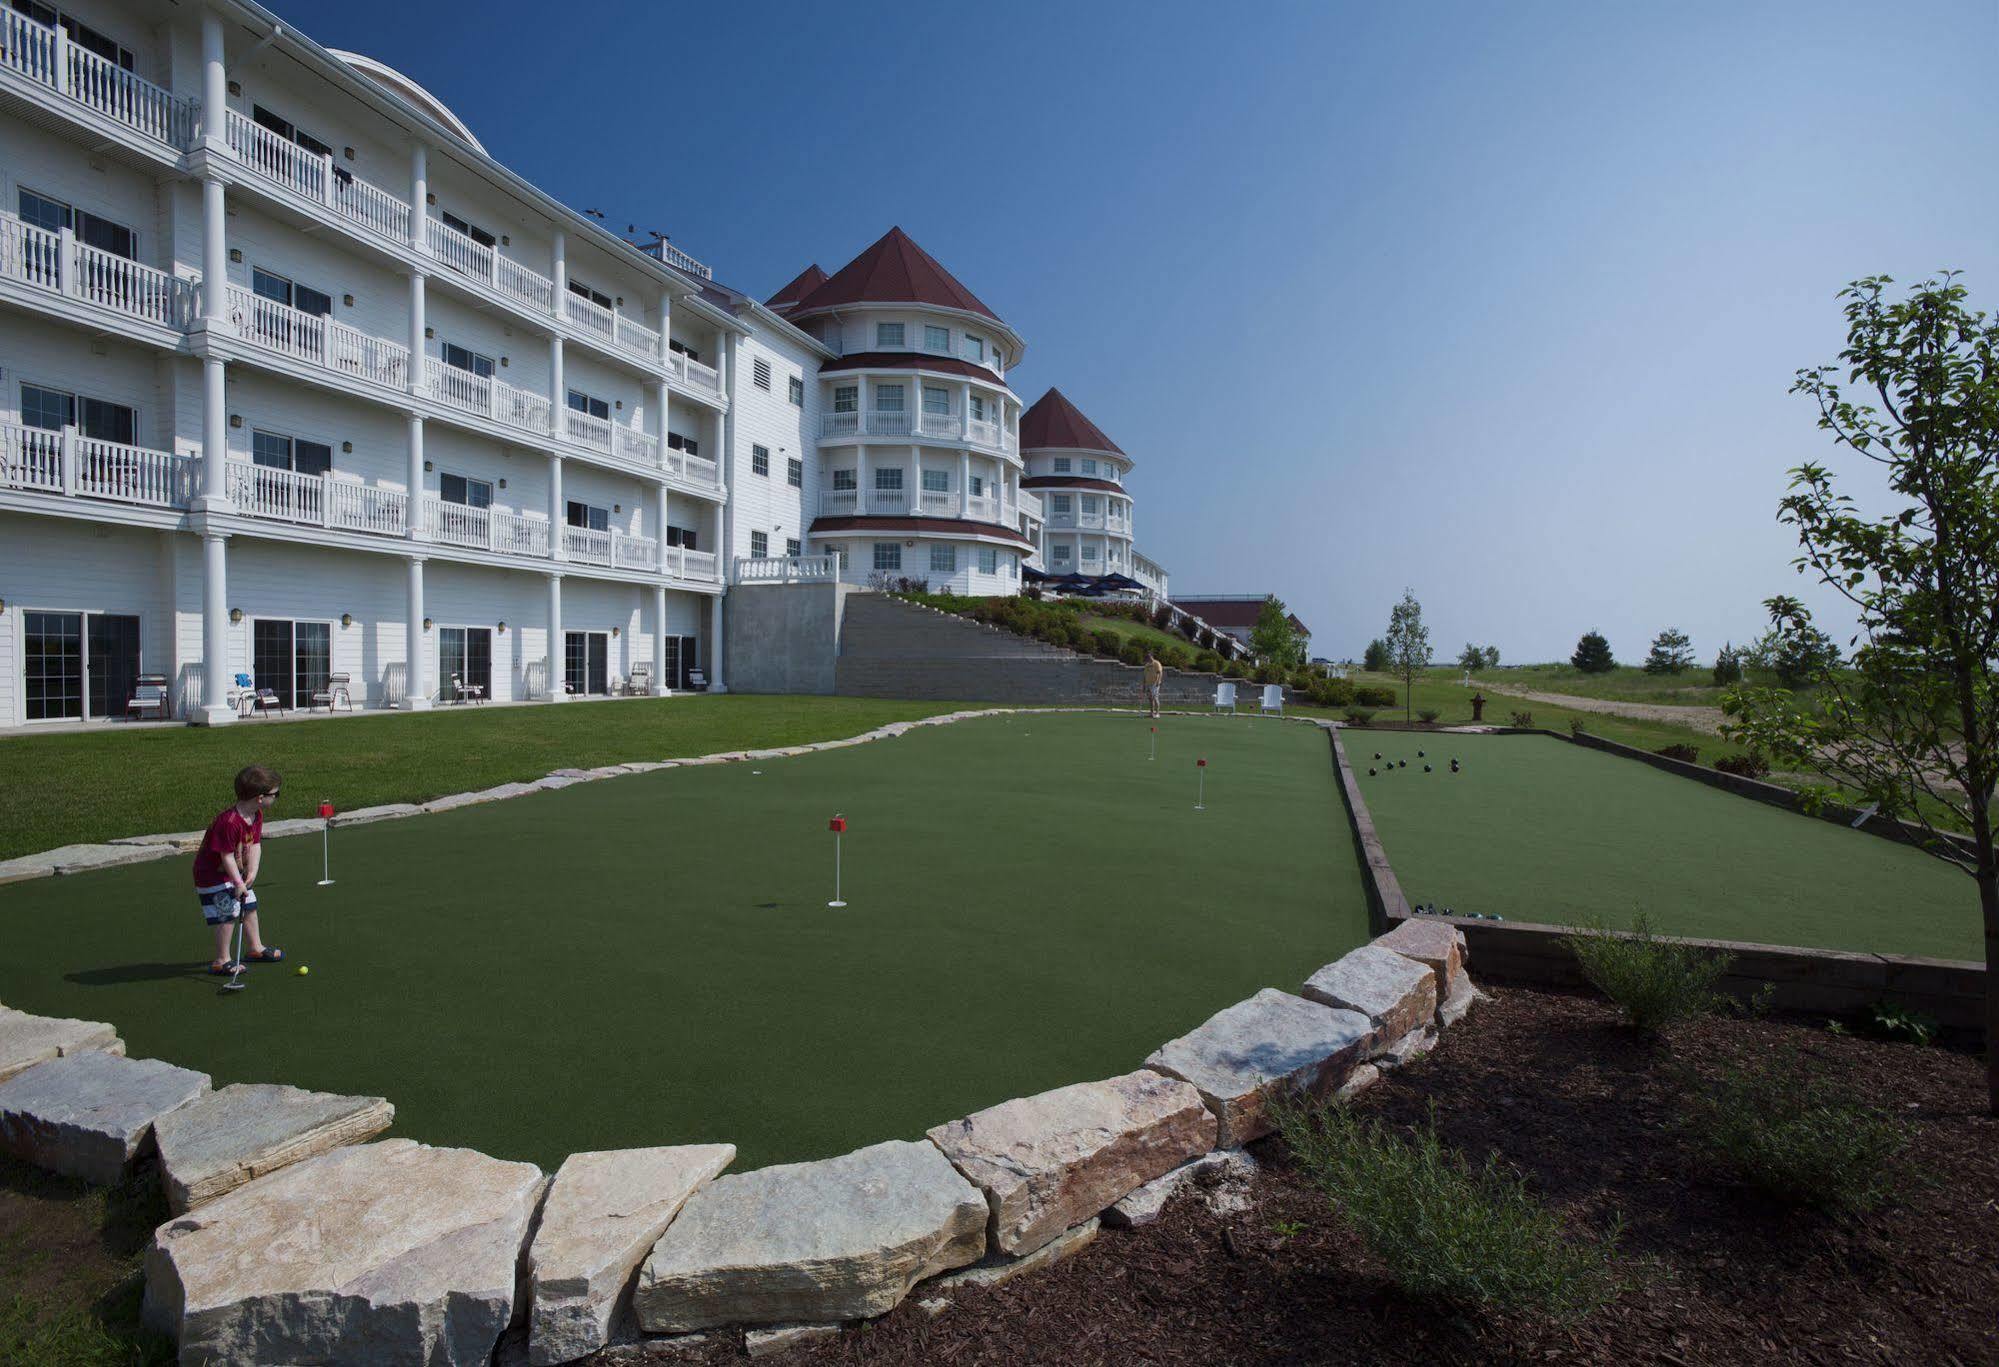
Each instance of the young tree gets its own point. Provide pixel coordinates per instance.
(1672, 653)
(1913, 721)
(1273, 640)
(1727, 665)
(1492, 657)
(1408, 643)
(1375, 660)
(1800, 652)
(1471, 658)
(1593, 654)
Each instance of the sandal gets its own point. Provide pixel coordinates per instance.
(267, 955)
(223, 970)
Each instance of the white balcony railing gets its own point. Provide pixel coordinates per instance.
(586, 429)
(484, 395)
(939, 503)
(947, 425)
(587, 545)
(590, 316)
(637, 338)
(634, 552)
(532, 288)
(1029, 505)
(682, 563)
(313, 176)
(69, 463)
(982, 508)
(786, 569)
(839, 424)
(695, 469)
(47, 57)
(316, 500)
(902, 423)
(633, 444)
(693, 374)
(320, 341)
(58, 263)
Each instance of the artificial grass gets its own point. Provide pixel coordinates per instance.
(650, 959)
(69, 787)
(1538, 829)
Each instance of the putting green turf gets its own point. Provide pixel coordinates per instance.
(650, 959)
(1538, 829)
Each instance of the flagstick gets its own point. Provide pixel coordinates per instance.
(1200, 785)
(838, 825)
(326, 844)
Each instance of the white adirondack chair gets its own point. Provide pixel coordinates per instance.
(1273, 699)
(1225, 696)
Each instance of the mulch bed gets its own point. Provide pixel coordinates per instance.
(1552, 1084)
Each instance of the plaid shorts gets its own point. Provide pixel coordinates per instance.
(220, 905)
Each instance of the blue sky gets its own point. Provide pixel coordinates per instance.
(1497, 302)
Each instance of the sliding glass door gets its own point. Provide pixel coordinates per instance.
(292, 659)
(587, 662)
(466, 654)
(78, 665)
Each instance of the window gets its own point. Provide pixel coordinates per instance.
(1061, 465)
(843, 480)
(1058, 504)
(797, 387)
(792, 548)
(888, 478)
(586, 662)
(1092, 505)
(888, 398)
(975, 348)
(466, 654)
(936, 401)
(471, 230)
(759, 545)
(936, 481)
(597, 297)
(680, 348)
(585, 515)
(676, 442)
(274, 451)
(1089, 466)
(847, 398)
(682, 536)
(978, 402)
(988, 560)
(888, 337)
(978, 486)
(466, 493)
(944, 559)
(760, 460)
(277, 288)
(794, 472)
(936, 339)
(291, 659)
(1061, 555)
(1089, 550)
(846, 556)
(888, 555)
(53, 215)
(81, 34)
(760, 373)
(53, 409)
(458, 358)
(580, 402)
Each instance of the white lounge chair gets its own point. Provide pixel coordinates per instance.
(149, 698)
(466, 692)
(1273, 699)
(1225, 697)
(639, 683)
(335, 693)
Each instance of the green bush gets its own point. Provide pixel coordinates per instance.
(1786, 1130)
(1370, 696)
(1175, 657)
(1236, 669)
(1655, 982)
(1428, 714)
(1132, 653)
(1107, 642)
(1691, 754)
(1337, 693)
(1473, 1237)
(1359, 716)
(1208, 662)
(1751, 765)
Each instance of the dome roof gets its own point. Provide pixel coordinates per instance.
(1053, 423)
(894, 271)
(404, 88)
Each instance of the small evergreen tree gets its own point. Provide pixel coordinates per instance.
(1273, 639)
(1375, 660)
(1727, 666)
(1672, 653)
(1593, 654)
(1408, 643)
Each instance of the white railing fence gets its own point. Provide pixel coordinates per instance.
(46, 56)
(57, 262)
(791, 569)
(696, 469)
(67, 462)
(586, 429)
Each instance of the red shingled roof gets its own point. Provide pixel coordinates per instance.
(1055, 422)
(894, 271)
(802, 284)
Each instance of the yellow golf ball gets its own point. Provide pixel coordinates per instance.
(303, 970)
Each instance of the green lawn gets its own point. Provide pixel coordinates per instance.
(650, 959)
(65, 788)
(1537, 829)
(1151, 637)
(1626, 683)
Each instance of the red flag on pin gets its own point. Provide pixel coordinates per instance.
(325, 807)
(838, 825)
(1201, 763)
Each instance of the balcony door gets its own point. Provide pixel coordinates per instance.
(51, 410)
(53, 215)
(587, 662)
(78, 666)
(292, 659)
(466, 654)
(461, 505)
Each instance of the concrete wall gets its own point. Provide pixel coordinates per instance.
(783, 638)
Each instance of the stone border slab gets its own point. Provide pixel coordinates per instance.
(87, 1115)
(215, 1144)
(27, 1040)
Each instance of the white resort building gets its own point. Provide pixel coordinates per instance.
(1080, 475)
(294, 377)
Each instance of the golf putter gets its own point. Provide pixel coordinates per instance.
(236, 983)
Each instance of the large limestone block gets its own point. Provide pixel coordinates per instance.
(996, 1270)
(77, 859)
(227, 1138)
(1050, 1162)
(385, 1252)
(85, 1115)
(1439, 944)
(1222, 1178)
(842, 1238)
(295, 825)
(603, 1213)
(387, 811)
(27, 1040)
(1396, 993)
(1261, 1050)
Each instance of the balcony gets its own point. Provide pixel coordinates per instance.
(696, 376)
(45, 57)
(942, 426)
(694, 469)
(786, 569)
(930, 503)
(314, 177)
(479, 262)
(315, 500)
(61, 265)
(487, 397)
(308, 337)
(486, 529)
(75, 466)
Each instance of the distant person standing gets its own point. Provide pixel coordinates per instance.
(1155, 674)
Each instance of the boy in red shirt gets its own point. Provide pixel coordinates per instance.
(226, 865)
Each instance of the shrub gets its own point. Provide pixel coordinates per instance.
(1175, 657)
(1374, 697)
(1269, 674)
(1789, 1132)
(1473, 1237)
(1208, 662)
(1236, 669)
(1576, 726)
(1900, 1023)
(1132, 653)
(1655, 982)
(1337, 692)
(1691, 754)
(1162, 615)
(1107, 643)
(1429, 714)
(1359, 716)
(1521, 719)
(1751, 765)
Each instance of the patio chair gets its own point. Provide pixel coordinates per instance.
(149, 698)
(241, 696)
(466, 692)
(1273, 699)
(334, 693)
(697, 679)
(1225, 697)
(640, 682)
(266, 700)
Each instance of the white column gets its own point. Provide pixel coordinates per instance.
(556, 692)
(214, 437)
(559, 270)
(665, 328)
(416, 692)
(418, 325)
(965, 411)
(215, 672)
(558, 511)
(214, 255)
(912, 498)
(420, 196)
(659, 688)
(214, 86)
(417, 503)
(659, 525)
(715, 684)
(558, 396)
(725, 345)
(659, 399)
(861, 479)
(964, 484)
